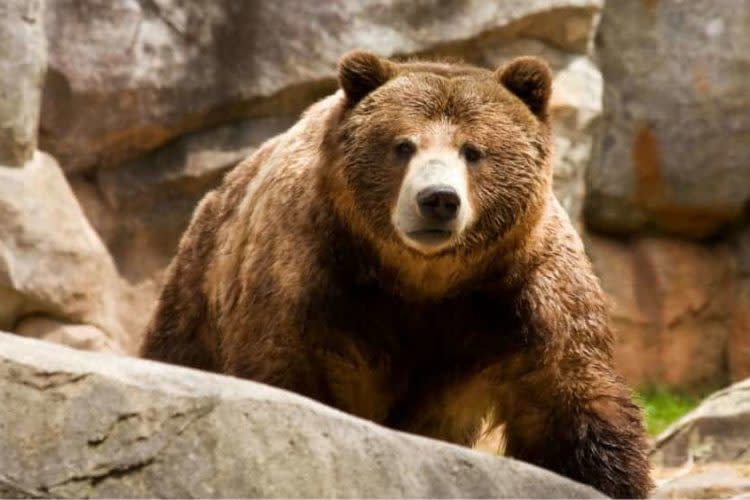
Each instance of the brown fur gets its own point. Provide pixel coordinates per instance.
(291, 274)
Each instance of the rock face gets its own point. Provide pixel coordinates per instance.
(121, 71)
(739, 341)
(91, 425)
(51, 261)
(672, 308)
(673, 152)
(717, 431)
(23, 60)
(706, 454)
(707, 481)
(575, 108)
(84, 337)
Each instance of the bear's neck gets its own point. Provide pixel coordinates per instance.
(400, 271)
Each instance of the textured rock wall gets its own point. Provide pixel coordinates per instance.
(23, 61)
(143, 61)
(669, 182)
(674, 153)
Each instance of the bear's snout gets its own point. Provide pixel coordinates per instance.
(433, 206)
(439, 203)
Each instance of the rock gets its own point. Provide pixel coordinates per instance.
(575, 109)
(23, 61)
(51, 261)
(739, 339)
(706, 454)
(671, 306)
(84, 337)
(94, 425)
(188, 165)
(717, 431)
(708, 481)
(126, 76)
(672, 155)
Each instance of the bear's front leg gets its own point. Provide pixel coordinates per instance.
(580, 422)
(568, 411)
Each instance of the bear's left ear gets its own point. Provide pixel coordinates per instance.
(362, 72)
(530, 79)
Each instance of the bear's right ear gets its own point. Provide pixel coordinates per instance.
(362, 72)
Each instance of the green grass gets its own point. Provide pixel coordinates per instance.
(663, 406)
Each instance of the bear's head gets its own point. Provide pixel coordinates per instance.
(442, 159)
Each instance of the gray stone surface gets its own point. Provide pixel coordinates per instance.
(576, 106)
(717, 431)
(125, 76)
(673, 155)
(51, 260)
(75, 424)
(23, 60)
(84, 337)
(709, 481)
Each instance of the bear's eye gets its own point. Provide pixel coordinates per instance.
(471, 153)
(405, 148)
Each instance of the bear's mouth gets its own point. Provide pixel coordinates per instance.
(430, 237)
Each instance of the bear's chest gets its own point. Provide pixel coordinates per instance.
(377, 350)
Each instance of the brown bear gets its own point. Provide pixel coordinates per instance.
(399, 254)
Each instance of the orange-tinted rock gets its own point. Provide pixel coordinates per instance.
(671, 305)
(672, 151)
(739, 340)
(739, 336)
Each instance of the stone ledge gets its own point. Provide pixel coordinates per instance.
(77, 424)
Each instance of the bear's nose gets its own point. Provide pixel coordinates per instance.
(438, 203)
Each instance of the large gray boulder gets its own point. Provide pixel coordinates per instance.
(126, 76)
(52, 262)
(673, 155)
(77, 424)
(23, 60)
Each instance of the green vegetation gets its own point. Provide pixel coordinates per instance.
(662, 406)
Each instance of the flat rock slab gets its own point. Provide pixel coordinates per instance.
(76, 424)
(719, 480)
(717, 431)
